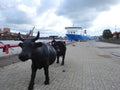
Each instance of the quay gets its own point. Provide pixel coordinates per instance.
(88, 66)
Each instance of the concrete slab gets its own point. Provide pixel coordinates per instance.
(113, 49)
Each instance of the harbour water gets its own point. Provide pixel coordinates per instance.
(15, 50)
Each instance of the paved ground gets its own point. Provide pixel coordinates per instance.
(7, 60)
(113, 49)
(87, 68)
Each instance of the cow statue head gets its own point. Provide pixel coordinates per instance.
(28, 45)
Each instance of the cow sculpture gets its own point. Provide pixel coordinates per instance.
(60, 47)
(42, 55)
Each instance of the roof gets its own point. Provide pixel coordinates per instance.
(73, 27)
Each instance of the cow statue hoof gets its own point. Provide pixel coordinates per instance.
(57, 62)
(46, 82)
(62, 64)
(30, 88)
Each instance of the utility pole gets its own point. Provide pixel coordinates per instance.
(115, 28)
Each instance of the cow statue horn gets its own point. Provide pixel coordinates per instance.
(20, 38)
(37, 37)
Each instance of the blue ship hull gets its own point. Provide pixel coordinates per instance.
(77, 37)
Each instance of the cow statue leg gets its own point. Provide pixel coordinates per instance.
(46, 71)
(63, 57)
(31, 84)
(57, 59)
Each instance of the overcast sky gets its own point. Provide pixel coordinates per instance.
(50, 17)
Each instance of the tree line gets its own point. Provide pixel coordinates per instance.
(107, 34)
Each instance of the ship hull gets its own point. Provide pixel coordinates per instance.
(77, 37)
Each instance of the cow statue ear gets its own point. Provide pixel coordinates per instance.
(38, 44)
(20, 37)
(20, 44)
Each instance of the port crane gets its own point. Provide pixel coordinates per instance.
(6, 47)
(31, 32)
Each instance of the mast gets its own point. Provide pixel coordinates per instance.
(31, 32)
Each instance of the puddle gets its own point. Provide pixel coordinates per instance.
(105, 56)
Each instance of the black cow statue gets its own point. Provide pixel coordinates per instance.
(60, 47)
(42, 55)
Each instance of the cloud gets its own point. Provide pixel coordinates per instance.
(16, 12)
(7, 4)
(53, 15)
(23, 12)
(15, 16)
(84, 12)
(46, 5)
(106, 20)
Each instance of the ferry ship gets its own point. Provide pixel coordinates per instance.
(76, 33)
